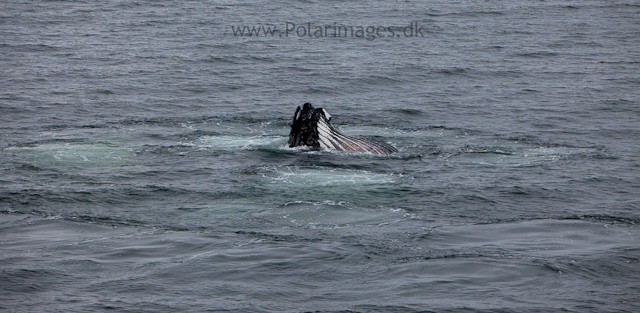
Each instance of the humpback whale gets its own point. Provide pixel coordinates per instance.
(313, 128)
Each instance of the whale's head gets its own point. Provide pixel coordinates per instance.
(312, 127)
(304, 129)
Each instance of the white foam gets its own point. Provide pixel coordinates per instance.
(523, 155)
(233, 142)
(330, 214)
(327, 177)
(84, 154)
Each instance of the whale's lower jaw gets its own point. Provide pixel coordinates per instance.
(312, 127)
(331, 138)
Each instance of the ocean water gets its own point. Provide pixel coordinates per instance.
(144, 165)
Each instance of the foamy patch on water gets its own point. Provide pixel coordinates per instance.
(326, 177)
(555, 152)
(522, 155)
(83, 154)
(234, 142)
(330, 214)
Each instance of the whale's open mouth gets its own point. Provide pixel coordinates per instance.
(312, 127)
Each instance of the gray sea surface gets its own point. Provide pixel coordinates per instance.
(144, 164)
